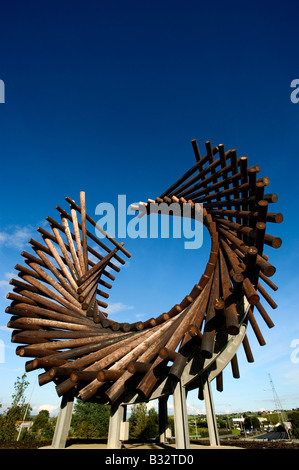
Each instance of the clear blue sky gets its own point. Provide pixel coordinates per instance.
(105, 97)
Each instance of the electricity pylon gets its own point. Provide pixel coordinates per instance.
(278, 405)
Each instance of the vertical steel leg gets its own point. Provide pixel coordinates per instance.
(163, 418)
(180, 417)
(63, 421)
(116, 418)
(210, 411)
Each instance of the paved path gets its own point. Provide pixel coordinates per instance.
(154, 447)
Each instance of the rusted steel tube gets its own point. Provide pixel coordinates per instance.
(249, 290)
(219, 382)
(195, 192)
(230, 310)
(264, 265)
(237, 280)
(178, 366)
(251, 266)
(266, 296)
(271, 198)
(264, 315)
(260, 232)
(197, 311)
(189, 192)
(247, 349)
(268, 239)
(200, 163)
(262, 211)
(235, 190)
(170, 190)
(259, 192)
(235, 367)
(252, 216)
(255, 328)
(208, 339)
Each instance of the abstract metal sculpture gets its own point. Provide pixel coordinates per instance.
(58, 302)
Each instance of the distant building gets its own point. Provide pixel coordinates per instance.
(238, 422)
(262, 420)
(23, 425)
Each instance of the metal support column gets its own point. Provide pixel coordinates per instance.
(210, 412)
(163, 417)
(63, 421)
(180, 417)
(116, 418)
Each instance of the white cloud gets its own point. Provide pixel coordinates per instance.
(4, 284)
(49, 407)
(9, 275)
(5, 328)
(118, 307)
(16, 236)
(193, 410)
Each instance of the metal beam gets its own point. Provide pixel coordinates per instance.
(63, 421)
(182, 440)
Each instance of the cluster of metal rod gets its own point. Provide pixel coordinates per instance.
(61, 323)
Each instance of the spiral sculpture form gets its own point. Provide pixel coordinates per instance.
(58, 303)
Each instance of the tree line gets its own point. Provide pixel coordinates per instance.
(91, 420)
